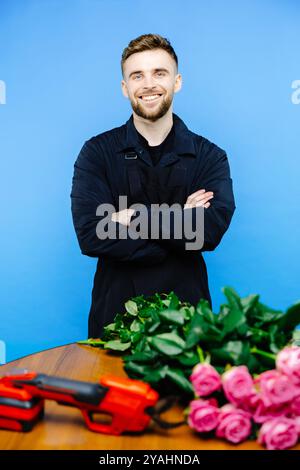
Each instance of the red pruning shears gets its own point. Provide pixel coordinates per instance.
(130, 404)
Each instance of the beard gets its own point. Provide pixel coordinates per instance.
(155, 114)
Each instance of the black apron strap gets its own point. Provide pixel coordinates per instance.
(134, 177)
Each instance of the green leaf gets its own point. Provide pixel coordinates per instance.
(144, 357)
(136, 326)
(267, 359)
(178, 377)
(232, 352)
(174, 301)
(233, 298)
(172, 316)
(233, 320)
(249, 302)
(141, 344)
(253, 364)
(125, 336)
(197, 331)
(169, 344)
(131, 307)
(203, 308)
(264, 316)
(110, 327)
(117, 345)
(136, 337)
(155, 375)
(118, 321)
(224, 311)
(296, 338)
(242, 329)
(257, 336)
(188, 358)
(277, 338)
(146, 312)
(152, 327)
(274, 348)
(134, 369)
(187, 312)
(291, 319)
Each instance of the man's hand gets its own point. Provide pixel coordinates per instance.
(199, 198)
(123, 217)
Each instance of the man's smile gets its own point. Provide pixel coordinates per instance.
(150, 98)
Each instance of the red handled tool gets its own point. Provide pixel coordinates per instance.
(130, 404)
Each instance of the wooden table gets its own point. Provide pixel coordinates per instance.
(63, 427)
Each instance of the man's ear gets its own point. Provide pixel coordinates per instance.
(124, 88)
(178, 83)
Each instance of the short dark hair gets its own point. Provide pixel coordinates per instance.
(147, 42)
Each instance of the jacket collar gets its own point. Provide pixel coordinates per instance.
(182, 144)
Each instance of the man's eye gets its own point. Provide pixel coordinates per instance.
(137, 76)
(161, 74)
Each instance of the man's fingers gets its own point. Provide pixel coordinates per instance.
(197, 204)
(123, 216)
(193, 195)
(198, 196)
(200, 200)
(200, 191)
(201, 203)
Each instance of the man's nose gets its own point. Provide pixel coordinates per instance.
(149, 82)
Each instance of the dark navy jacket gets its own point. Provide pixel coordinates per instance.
(126, 268)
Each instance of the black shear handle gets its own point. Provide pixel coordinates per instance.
(85, 392)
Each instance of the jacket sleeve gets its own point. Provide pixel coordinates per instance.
(90, 188)
(212, 175)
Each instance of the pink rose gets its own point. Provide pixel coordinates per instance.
(205, 379)
(297, 422)
(203, 415)
(295, 405)
(288, 362)
(275, 388)
(237, 384)
(278, 433)
(264, 413)
(234, 424)
(251, 402)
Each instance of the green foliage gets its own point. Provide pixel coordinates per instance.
(166, 338)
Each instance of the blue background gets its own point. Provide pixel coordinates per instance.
(60, 61)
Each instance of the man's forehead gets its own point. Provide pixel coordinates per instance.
(149, 60)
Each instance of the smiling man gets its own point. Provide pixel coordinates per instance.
(152, 159)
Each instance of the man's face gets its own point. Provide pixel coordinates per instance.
(150, 81)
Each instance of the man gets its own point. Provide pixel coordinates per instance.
(152, 159)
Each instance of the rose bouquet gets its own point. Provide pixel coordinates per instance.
(247, 382)
(161, 337)
(236, 405)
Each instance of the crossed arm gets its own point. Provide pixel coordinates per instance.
(90, 189)
(196, 199)
(213, 191)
